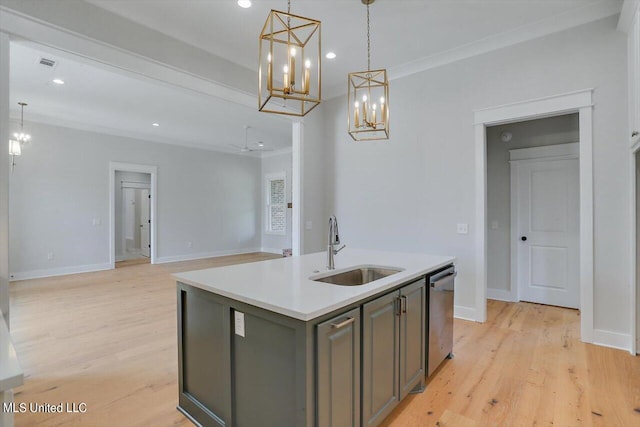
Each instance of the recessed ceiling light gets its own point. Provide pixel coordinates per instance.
(330, 55)
(156, 124)
(244, 3)
(58, 81)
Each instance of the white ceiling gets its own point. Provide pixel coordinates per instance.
(404, 34)
(402, 31)
(105, 99)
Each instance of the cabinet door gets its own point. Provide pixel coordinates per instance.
(380, 350)
(203, 337)
(412, 337)
(338, 381)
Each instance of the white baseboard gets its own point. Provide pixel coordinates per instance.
(612, 339)
(202, 255)
(500, 295)
(272, 250)
(464, 313)
(59, 271)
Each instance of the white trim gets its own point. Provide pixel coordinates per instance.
(297, 188)
(580, 101)
(586, 224)
(59, 271)
(203, 255)
(627, 14)
(611, 339)
(132, 167)
(500, 295)
(635, 333)
(554, 105)
(464, 313)
(558, 151)
(481, 217)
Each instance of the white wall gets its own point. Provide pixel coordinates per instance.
(61, 185)
(409, 193)
(275, 164)
(532, 133)
(126, 177)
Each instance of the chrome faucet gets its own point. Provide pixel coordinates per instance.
(334, 239)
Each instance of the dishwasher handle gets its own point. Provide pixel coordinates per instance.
(444, 278)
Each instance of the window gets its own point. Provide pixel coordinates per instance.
(276, 206)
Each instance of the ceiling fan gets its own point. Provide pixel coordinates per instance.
(259, 146)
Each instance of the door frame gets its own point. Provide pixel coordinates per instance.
(528, 155)
(635, 278)
(131, 167)
(574, 102)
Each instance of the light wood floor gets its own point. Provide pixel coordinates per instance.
(108, 339)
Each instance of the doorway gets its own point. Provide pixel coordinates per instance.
(133, 215)
(132, 212)
(580, 102)
(533, 224)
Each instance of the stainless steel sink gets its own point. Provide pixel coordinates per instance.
(358, 276)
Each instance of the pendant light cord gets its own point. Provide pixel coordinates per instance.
(368, 41)
(22, 118)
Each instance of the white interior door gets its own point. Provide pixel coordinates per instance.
(547, 240)
(145, 221)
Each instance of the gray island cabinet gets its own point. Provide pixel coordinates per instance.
(287, 351)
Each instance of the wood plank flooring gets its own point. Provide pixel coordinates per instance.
(108, 339)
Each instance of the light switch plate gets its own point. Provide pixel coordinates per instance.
(238, 321)
(308, 225)
(463, 228)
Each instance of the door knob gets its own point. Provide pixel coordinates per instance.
(523, 238)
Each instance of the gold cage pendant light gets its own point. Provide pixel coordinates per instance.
(289, 72)
(368, 99)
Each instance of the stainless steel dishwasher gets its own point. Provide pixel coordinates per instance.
(441, 288)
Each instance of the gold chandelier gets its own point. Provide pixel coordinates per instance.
(15, 145)
(289, 71)
(368, 99)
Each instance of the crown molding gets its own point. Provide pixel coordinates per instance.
(22, 26)
(570, 19)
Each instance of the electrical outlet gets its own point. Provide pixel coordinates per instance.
(308, 225)
(494, 225)
(238, 322)
(96, 222)
(463, 228)
(50, 256)
(189, 245)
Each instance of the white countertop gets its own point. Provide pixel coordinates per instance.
(283, 285)
(11, 375)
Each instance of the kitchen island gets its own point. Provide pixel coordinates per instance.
(267, 344)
